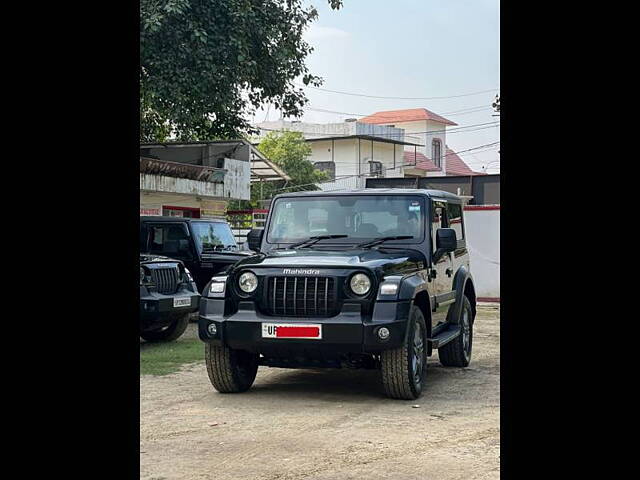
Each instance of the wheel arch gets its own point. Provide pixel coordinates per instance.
(463, 285)
(470, 293)
(422, 301)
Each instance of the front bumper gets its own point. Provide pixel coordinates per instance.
(349, 332)
(157, 310)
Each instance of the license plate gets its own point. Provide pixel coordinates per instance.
(304, 331)
(182, 302)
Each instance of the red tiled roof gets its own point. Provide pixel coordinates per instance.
(455, 165)
(420, 161)
(408, 115)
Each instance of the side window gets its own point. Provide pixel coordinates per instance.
(454, 216)
(166, 239)
(438, 220)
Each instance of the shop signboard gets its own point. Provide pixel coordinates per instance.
(150, 210)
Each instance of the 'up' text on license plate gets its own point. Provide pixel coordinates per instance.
(292, 330)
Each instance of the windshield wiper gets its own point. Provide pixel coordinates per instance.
(218, 248)
(378, 241)
(311, 240)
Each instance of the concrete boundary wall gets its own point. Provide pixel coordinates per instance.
(482, 231)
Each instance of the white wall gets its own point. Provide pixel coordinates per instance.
(482, 232)
(415, 133)
(345, 156)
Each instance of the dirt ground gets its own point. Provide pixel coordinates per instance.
(327, 424)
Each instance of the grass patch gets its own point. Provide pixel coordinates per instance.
(164, 358)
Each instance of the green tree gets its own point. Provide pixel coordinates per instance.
(290, 152)
(206, 64)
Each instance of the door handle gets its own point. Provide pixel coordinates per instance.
(449, 272)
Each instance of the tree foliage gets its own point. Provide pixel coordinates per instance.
(206, 64)
(290, 152)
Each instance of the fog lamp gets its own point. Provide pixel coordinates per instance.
(383, 333)
(212, 329)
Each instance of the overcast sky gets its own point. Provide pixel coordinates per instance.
(409, 48)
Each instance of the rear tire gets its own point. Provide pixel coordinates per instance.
(457, 353)
(230, 371)
(404, 369)
(170, 333)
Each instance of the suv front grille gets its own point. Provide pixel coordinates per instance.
(301, 296)
(166, 279)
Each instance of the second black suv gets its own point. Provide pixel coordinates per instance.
(375, 278)
(205, 246)
(168, 296)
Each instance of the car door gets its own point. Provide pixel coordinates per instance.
(455, 220)
(442, 294)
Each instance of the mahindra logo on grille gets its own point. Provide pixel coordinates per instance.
(300, 271)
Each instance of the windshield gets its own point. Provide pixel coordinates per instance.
(213, 236)
(361, 218)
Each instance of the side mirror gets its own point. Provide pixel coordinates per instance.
(446, 242)
(254, 239)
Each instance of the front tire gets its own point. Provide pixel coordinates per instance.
(457, 353)
(170, 333)
(230, 371)
(404, 369)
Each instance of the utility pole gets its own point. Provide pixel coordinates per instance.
(496, 107)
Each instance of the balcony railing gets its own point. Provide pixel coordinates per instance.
(182, 170)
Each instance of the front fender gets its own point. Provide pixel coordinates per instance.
(408, 288)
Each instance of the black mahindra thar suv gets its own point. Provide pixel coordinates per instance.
(374, 278)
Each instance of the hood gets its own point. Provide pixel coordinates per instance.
(387, 261)
(151, 258)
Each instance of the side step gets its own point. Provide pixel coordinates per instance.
(445, 336)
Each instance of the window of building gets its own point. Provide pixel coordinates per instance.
(436, 152)
(375, 169)
(328, 167)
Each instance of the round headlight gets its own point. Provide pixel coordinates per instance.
(248, 282)
(142, 274)
(360, 284)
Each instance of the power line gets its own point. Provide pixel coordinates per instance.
(396, 98)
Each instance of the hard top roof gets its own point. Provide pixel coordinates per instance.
(379, 191)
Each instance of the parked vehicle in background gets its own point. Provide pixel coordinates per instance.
(168, 296)
(375, 278)
(206, 247)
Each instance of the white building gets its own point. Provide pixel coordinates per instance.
(428, 129)
(352, 151)
(393, 143)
